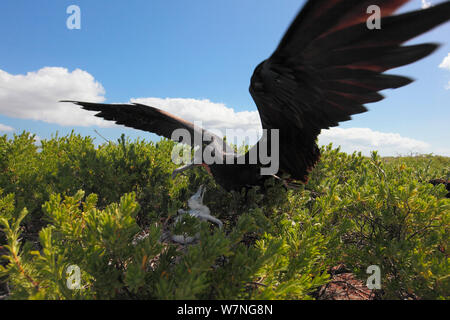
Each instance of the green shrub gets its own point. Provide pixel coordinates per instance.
(274, 245)
(386, 215)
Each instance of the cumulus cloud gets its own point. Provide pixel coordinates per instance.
(367, 140)
(426, 4)
(5, 128)
(221, 119)
(216, 117)
(35, 96)
(445, 64)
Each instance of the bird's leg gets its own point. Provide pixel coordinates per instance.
(181, 169)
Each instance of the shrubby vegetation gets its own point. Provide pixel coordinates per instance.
(110, 211)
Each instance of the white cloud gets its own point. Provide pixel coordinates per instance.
(216, 117)
(213, 115)
(367, 140)
(426, 4)
(35, 96)
(37, 140)
(5, 128)
(445, 64)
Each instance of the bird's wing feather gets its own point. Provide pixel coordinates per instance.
(147, 118)
(328, 64)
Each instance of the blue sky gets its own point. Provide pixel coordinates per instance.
(202, 52)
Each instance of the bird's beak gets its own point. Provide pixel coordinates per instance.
(202, 192)
(199, 193)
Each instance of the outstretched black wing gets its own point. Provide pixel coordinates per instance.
(142, 117)
(329, 64)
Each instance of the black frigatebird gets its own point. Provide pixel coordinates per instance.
(327, 66)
